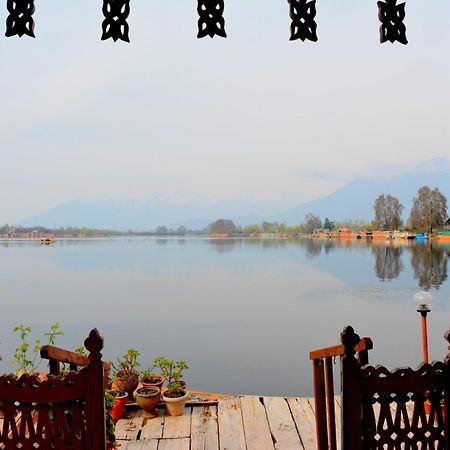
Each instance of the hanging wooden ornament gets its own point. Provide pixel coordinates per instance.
(391, 17)
(115, 25)
(20, 19)
(303, 26)
(211, 21)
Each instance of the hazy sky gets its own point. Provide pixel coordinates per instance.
(253, 114)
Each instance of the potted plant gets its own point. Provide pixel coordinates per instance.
(110, 423)
(118, 407)
(176, 395)
(149, 378)
(28, 363)
(126, 376)
(147, 398)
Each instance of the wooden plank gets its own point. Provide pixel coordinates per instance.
(204, 429)
(304, 419)
(178, 426)
(337, 405)
(282, 425)
(256, 426)
(153, 428)
(128, 429)
(231, 427)
(140, 445)
(173, 444)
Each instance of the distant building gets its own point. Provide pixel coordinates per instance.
(447, 225)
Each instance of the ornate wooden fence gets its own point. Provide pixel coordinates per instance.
(58, 412)
(211, 21)
(403, 409)
(322, 361)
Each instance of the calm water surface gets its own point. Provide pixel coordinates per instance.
(243, 313)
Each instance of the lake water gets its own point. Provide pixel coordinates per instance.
(243, 313)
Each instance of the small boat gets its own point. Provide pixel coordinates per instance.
(421, 237)
(47, 241)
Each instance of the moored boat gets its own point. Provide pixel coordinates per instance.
(444, 236)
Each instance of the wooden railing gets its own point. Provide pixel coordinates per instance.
(322, 361)
(66, 412)
(58, 356)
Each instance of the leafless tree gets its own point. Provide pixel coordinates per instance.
(388, 212)
(429, 210)
(312, 223)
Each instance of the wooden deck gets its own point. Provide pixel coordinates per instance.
(233, 423)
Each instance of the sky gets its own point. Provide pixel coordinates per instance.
(253, 115)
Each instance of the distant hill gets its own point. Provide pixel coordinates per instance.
(147, 213)
(355, 199)
(352, 201)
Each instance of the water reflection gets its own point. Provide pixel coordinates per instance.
(313, 248)
(429, 263)
(388, 263)
(237, 305)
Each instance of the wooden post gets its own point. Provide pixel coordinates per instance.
(320, 404)
(447, 395)
(351, 404)
(95, 398)
(330, 402)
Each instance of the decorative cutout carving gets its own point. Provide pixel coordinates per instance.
(20, 20)
(211, 21)
(391, 17)
(303, 26)
(50, 413)
(387, 397)
(115, 25)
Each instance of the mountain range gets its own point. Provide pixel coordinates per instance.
(353, 201)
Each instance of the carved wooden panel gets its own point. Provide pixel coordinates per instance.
(386, 398)
(115, 25)
(211, 21)
(20, 20)
(48, 414)
(391, 17)
(403, 409)
(59, 412)
(303, 26)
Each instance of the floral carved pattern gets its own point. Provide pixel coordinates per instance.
(211, 21)
(391, 17)
(115, 25)
(20, 20)
(303, 26)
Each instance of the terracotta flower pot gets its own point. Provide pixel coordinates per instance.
(126, 382)
(119, 406)
(147, 399)
(157, 380)
(175, 406)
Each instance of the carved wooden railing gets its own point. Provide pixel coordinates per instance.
(375, 403)
(58, 412)
(58, 357)
(322, 361)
